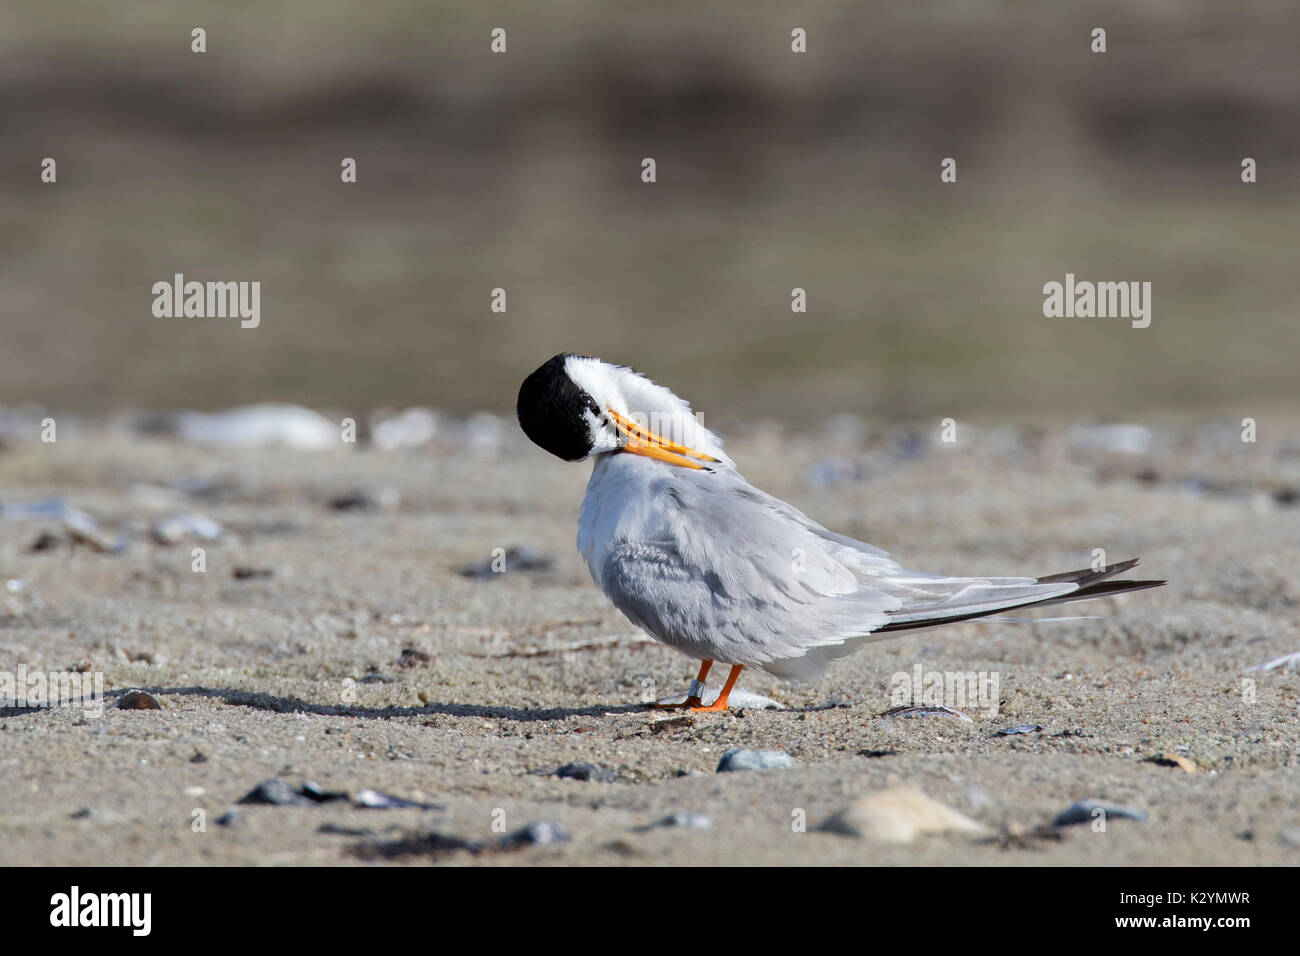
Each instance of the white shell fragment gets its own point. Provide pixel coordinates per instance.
(258, 426)
(898, 815)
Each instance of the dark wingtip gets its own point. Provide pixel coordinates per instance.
(1085, 576)
(1107, 588)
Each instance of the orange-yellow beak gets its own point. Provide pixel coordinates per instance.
(642, 441)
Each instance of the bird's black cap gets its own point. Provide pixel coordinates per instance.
(550, 409)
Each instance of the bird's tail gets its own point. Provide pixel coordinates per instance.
(1088, 583)
(967, 599)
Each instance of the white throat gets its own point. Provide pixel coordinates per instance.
(652, 406)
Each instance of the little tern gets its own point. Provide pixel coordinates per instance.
(706, 563)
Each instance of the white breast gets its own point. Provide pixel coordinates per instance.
(618, 508)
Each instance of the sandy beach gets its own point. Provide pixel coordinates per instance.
(333, 638)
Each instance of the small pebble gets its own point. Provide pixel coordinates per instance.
(97, 815)
(734, 760)
(515, 559)
(46, 541)
(1082, 811)
(315, 792)
(362, 500)
(85, 529)
(138, 700)
(177, 528)
(242, 573)
(1022, 729)
(687, 821)
(586, 771)
(535, 834)
(280, 793)
(375, 800)
(412, 657)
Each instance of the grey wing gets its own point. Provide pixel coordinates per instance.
(732, 574)
(727, 573)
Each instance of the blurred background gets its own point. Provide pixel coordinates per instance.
(775, 170)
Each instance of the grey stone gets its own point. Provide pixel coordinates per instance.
(1082, 811)
(535, 834)
(734, 760)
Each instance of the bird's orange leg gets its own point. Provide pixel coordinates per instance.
(697, 688)
(721, 703)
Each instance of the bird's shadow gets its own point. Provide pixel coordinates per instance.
(258, 700)
(293, 705)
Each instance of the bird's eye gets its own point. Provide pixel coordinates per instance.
(591, 404)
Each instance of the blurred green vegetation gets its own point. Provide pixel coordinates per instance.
(775, 170)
